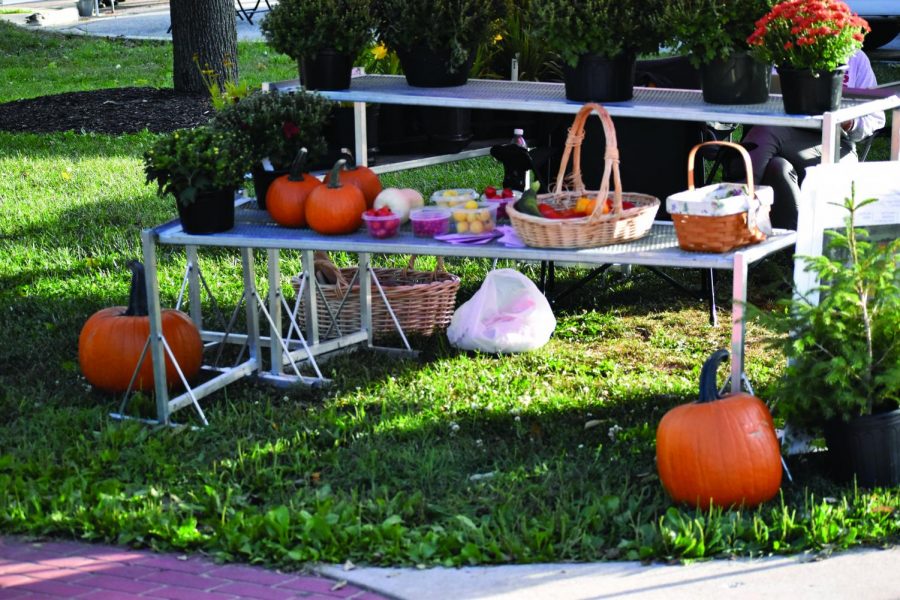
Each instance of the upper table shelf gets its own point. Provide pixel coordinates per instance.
(653, 103)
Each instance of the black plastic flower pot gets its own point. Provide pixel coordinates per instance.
(738, 79)
(327, 70)
(807, 92)
(429, 68)
(262, 179)
(600, 79)
(449, 130)
(210, 212)
(866, 447)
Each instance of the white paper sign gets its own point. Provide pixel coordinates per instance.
(821, 207)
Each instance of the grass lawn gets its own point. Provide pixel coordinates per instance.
(452, 458)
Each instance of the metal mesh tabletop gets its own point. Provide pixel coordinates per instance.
(661, 103)
(254, 229)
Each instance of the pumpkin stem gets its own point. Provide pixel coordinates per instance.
(334, 180)
(708, 389)
(137, 297)
(348, 156)
(298, 166)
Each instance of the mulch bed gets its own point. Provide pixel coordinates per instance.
(112, 111)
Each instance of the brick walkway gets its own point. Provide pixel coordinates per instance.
(75, 570)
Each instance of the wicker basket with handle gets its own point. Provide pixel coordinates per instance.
(423, 301)
(603, 226)
(722, 233)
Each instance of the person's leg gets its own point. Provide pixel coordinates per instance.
(803, 148)
(781, 176)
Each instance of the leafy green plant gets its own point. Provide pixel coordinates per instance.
(376, 59)
(457, 25)
(302, 28)
(276, 125)
(221, 93)
(514, 39)
(604, 27)
(189, 161)
(844, 351)
(711, 29)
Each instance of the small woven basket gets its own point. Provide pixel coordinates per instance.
(705, 233)
(423, 301)
(617, 226)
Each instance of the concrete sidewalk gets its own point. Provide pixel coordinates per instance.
(76, 570)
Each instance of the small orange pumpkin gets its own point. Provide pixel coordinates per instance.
(286, 198)
(335, 208)
(362, 177)
(112, 340)
(719, 450)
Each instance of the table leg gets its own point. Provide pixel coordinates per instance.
(895, 134)
(830, 140)
(359, 132)
(157, 351)
(275, 312)
(253, 341)
(738, 315)
(365, 295)
(196, 309)
(311, 298)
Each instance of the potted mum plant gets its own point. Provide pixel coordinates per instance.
(598, 42)
(201, 167)
(714, 34)
(843, 376)
(435, 39)
(275, 126)
(810, 43)
(324, 36)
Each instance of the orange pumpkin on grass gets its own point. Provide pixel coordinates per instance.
(719, 450)
(112, 341)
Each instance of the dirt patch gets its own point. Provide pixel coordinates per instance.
(112, 111)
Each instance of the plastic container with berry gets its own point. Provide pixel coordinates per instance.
(501, 197)
(381, 222)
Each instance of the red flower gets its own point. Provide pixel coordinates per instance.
(290, 129)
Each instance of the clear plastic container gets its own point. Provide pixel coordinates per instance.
(474, 220)
(453, 197)
(382, 226)
(429, 221)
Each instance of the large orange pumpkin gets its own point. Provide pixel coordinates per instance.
(719, 450)
(286, 198)
(362, 177)
(112, 340)
(335, 208)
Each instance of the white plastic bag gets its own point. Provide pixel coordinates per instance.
(507, 314)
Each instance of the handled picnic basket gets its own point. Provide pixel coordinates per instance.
(747, 204)
(616, 226)
(423, 301)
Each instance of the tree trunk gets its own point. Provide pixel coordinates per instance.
(204, 38)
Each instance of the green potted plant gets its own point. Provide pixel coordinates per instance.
(324, 36)
(598, 42)
(843, 374)
(435, 39)
(201, 167)
(810, 43)
(275, 126)
(714, 33)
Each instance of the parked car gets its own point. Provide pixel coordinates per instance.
(883, 16)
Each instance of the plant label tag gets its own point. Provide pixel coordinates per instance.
(267, 164)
